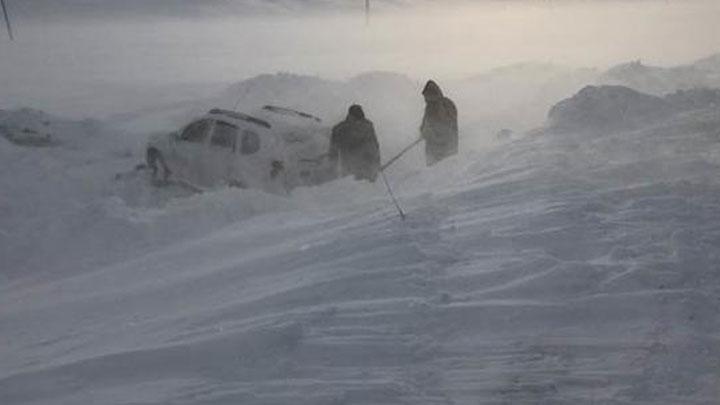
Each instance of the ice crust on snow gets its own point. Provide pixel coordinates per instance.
(557, 269)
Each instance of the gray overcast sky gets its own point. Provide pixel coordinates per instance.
(183, 8)
(199, 8)
(136, 46)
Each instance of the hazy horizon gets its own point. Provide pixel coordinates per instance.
(105, 9)
(50, 57)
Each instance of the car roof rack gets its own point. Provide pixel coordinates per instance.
(290, 111)
(240, 116)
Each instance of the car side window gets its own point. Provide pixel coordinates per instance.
(196, 132)
(224, 135)
(250, 143)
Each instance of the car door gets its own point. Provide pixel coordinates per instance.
(259, 164)
(248, 166)
(188, 150)
(220, 159)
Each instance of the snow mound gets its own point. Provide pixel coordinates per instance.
(30, 127)
(608, 108)
(694, 99)
(516, 96)
(709, 64)
(661, 80)
(378, 92)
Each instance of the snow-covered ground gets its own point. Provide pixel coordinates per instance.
(551, 269)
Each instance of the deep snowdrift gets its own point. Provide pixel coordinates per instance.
(660, 80)
(556, 269)
(605, 109)
(608, 108)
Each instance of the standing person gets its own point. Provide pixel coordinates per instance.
(354, 146)
(439, 127)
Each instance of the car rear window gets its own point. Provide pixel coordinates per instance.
(224, 135)
(196, 132)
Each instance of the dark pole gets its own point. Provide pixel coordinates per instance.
(392, 196)
(399, 155)
(7, 20)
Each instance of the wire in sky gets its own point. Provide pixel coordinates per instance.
(7, 20)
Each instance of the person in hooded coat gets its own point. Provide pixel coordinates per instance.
(354, 146)
(439, 126)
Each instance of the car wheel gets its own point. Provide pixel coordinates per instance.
(236, 184)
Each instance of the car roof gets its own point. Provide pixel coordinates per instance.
(280, 120)
(234, 115)
(290, 112)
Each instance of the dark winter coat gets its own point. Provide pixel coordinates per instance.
(439, 127)
(354, 146)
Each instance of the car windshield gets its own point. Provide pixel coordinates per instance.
(224, 135)
(196, 131)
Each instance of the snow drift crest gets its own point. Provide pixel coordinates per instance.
(603, 109)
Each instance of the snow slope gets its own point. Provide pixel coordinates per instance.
(556, 269)
(608, 108)
(659, 80)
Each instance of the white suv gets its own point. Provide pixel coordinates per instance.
(275, 149)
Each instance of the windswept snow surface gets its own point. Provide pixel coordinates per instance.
(556, 269)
